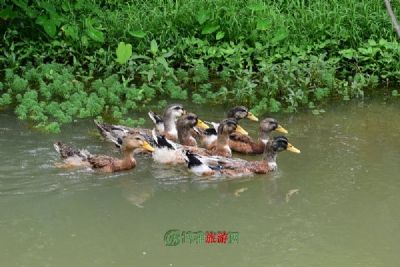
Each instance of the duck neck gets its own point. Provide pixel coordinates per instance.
(128, 156)
(223, 140)
(170, 125)
(270, 156)
(185, 136)
(264, 137)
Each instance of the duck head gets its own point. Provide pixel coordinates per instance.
(228, 126)
(191, 120)
(132, 142)
(174, 111)
(241, 112)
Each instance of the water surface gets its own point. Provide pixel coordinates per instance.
(346, 211)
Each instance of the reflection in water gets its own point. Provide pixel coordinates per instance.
(136, 193)
(335, 204)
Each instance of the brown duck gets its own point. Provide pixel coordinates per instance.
(247, 145)
(75, 157)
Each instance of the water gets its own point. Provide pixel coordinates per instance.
(345, 213)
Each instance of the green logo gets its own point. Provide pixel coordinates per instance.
(172, 237)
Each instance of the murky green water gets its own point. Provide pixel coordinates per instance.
(346, 212)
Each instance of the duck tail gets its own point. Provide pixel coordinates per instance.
(157, 120)
(67, 151)
(162, 142)
(155, 117)
(214, 125)
(210, 131)
(197, 166)
(107, 131)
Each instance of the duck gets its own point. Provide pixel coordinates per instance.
(236, 113)
(246, 145)
(166, 125)
(238, 167)
(169, 152)
(241, 112)
(188, 125)
(75, 157)
(114, 133)
(220, 147)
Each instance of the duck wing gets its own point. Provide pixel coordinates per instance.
(67, 151)
(115, 133)
(245, 144)
(101, 161)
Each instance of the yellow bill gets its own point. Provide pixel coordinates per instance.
(251, 116)
(281, 129)
(240, 130)
(291, 148)
(201, 124)
(147, 146)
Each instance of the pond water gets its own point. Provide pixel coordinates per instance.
(344, 210)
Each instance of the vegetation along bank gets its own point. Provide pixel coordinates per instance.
(62, 60)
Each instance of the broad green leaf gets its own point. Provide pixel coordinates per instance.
(372, 42)
(124, 52)
(202, 16)
(395, 93)
(7, 13)
(71, 31)
(209, 28)
(57, 19)
(228, 51)
(95, 35)
(92, 32)
(50, 29)
(220, 35)
(347, 53)
(48, 25)
(163, 62)
(262, 24)
(138, 33)
(256, 7)
(280, 35)
(168, 54)
(153, 47)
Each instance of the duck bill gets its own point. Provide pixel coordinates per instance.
(251, 117)
(281, 129)
(148, 147)
(202, 125)
(240, 130)
(291, 148)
